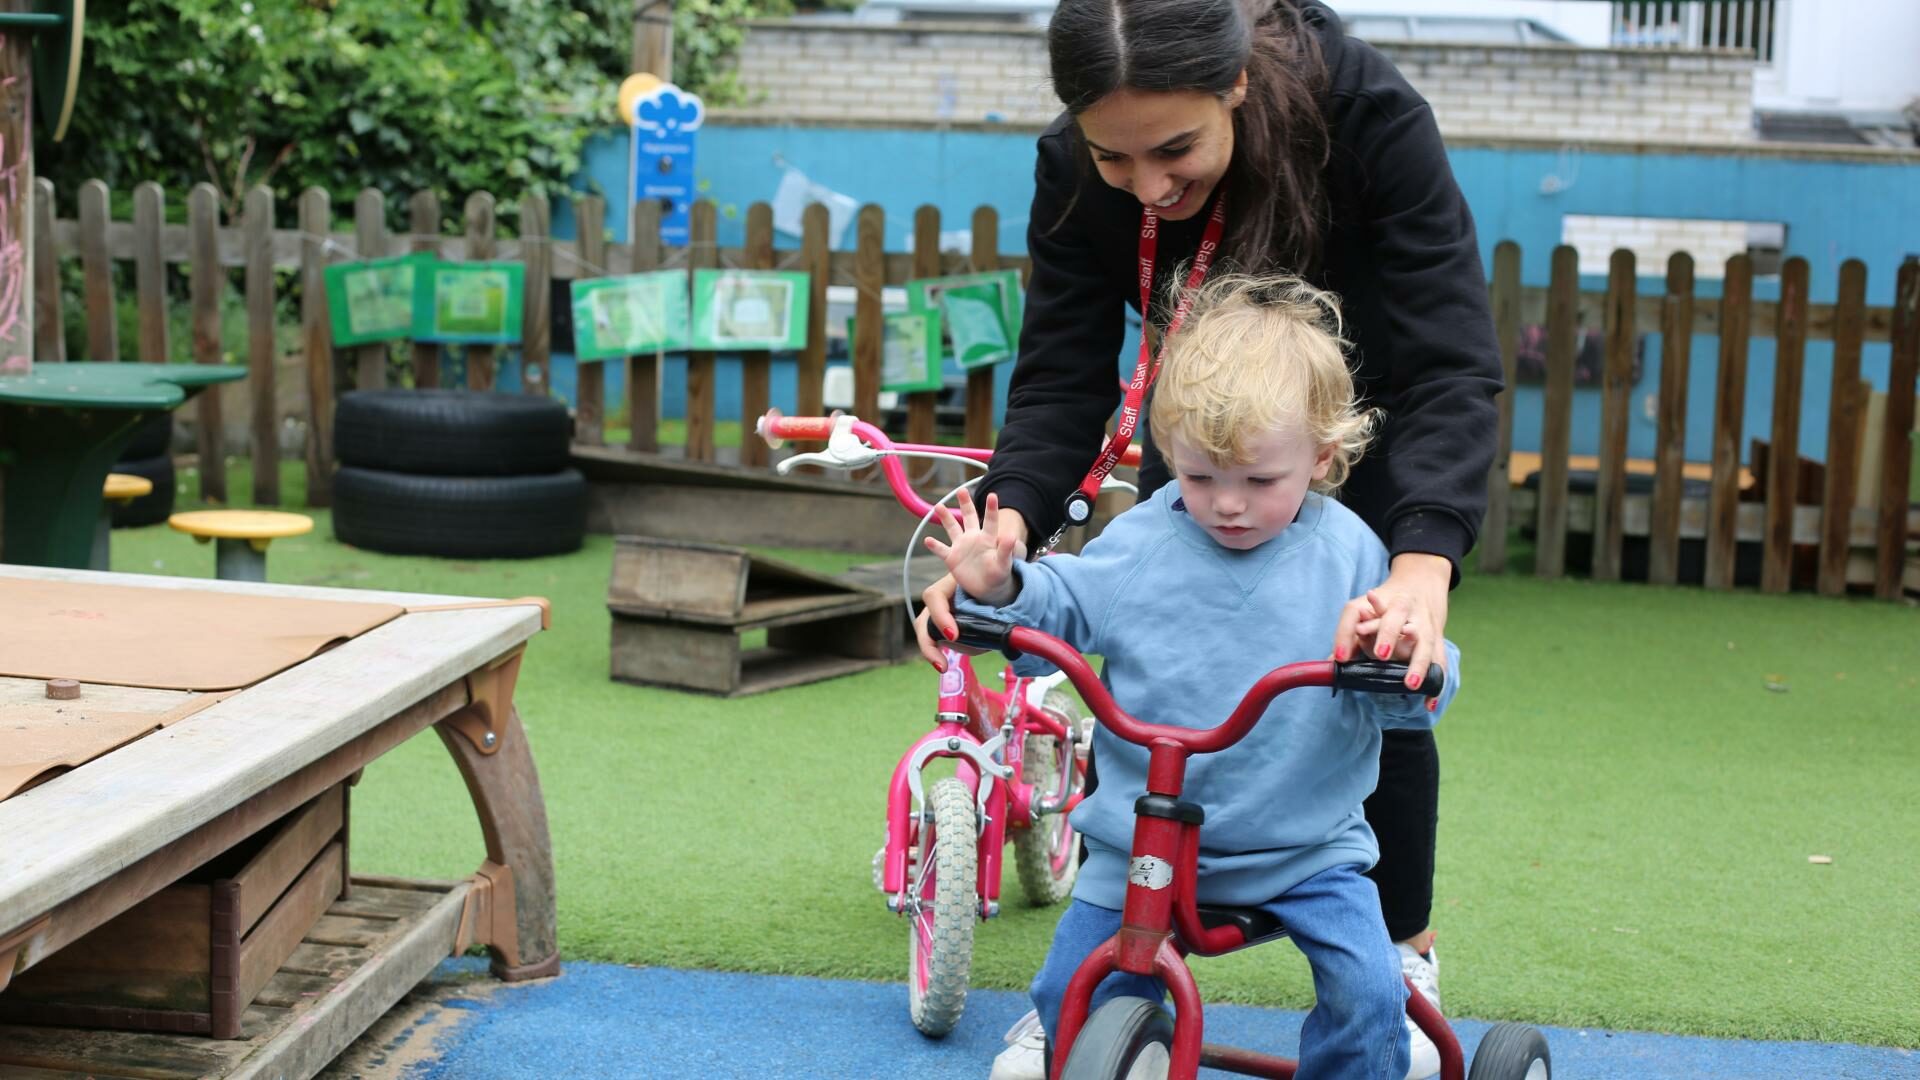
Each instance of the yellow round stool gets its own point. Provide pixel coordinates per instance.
(121, 489)
(241, 537)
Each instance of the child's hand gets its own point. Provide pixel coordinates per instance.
(980, 557)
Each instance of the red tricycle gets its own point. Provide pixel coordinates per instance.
(1134, 1038)
(1020, 757)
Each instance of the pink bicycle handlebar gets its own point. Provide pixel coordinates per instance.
(776, 428)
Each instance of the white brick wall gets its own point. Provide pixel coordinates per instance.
(1653, 241)
(965, 74)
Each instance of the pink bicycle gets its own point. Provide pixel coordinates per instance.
(1019, 756)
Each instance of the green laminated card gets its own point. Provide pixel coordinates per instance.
(373, 300)
(474, 302)
(980, 312)
(637, 313)
(910, 351)
(749, 309)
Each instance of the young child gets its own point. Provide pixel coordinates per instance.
(1244, 563)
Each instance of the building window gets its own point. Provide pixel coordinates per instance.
(1751, 25)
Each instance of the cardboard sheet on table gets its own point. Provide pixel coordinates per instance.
(176, 639)
(42, 739)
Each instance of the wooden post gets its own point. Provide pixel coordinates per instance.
(1550, 548)
(869, 279)
(986, 256)
(817, 261)
(653, 37)
(536, 323)
(590, 377)
(1670, 446)
(1506, 326)
(644, 373)
(479, 215)
(1610, 489)
(17, 191)
(1896, 450)
(1843, 427)
(1783, 456)
(206, 283)
(150, 273)
(261, 349)
(103, 332)
(702, 254)
(921, 406)
(423, 221)
(756, 378)
(316, 336)
(370, 242)
(1729, 407)
(49, 328)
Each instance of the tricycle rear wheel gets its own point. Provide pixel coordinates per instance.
(1128, 1038)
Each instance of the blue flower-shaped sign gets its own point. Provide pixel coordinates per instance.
(667, 111)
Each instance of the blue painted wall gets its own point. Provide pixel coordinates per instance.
(1834, 210)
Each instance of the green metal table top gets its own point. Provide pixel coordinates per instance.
(128, 385)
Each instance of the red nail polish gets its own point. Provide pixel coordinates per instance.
(1340, 654)
(950, 632)
(1385, 651)
(1413, 681)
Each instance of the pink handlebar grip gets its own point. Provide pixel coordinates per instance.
(776, 429)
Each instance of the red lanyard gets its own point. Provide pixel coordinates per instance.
(1080, 503)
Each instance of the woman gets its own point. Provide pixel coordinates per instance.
(1331, 167)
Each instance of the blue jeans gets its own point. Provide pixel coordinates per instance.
(1357, 1028)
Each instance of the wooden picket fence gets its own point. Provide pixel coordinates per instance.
(1782, 518)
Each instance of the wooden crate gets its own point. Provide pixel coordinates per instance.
(192, 957)
(681, 610)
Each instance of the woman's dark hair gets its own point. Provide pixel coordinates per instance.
(1277, 203)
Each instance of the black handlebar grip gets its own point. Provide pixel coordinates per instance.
(978, 632)
(1380, 677)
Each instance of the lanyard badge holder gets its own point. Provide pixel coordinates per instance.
(1079, 505)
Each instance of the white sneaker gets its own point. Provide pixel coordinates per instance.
(1424, 973)
(1025, 1057)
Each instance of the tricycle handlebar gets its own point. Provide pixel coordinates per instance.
(1367, 675)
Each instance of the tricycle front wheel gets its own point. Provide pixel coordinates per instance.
(1512, 1052)
(1128, 1038)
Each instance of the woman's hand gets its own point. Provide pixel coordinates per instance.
(1010, 530)
(1404, 618)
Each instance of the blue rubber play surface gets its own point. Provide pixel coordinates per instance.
(605, 1020)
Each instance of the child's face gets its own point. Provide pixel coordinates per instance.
(1244, 506)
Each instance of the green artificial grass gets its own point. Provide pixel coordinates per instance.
(1633, 781)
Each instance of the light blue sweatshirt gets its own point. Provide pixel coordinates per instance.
(1186, 627)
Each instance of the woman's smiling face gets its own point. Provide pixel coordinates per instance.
(1169, 149)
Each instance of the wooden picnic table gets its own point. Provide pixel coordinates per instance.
(91, 842)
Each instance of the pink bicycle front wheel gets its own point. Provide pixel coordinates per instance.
(944, 907)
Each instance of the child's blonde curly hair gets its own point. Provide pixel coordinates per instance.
(1259, 354)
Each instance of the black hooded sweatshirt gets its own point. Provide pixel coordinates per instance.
(1400, 253)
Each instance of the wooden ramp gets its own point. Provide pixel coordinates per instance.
(362, 956)
(636, 494)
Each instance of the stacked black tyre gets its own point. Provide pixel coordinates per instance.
(456, 473)
(149, 456)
